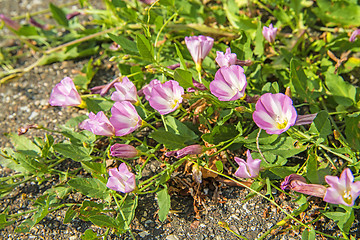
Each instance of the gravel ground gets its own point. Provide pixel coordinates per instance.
(25, 101)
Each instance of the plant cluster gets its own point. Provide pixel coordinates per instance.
(201, 84)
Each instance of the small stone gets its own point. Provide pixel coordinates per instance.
(172, 237)
(33, 115)
(144, 234)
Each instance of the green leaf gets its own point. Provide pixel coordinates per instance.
(98, 104)
(220, 134)
(322, 124)
(26, 225)
(145, 48)
(163, 198)
(128, 208)
(179, 128)
(284, 171)
(299, 79)
(352, 131)
(89, 235)
(343, 92)
(182, 61)
(24, 145)
(76, 153)
(70, 214)
(59, 15)
(49, 141)
(91, 187)
(170, 139)
(127, 45)
(184, 78)
(344, 220)
(3, 222)
(259, 41)
(219, 166)
(311, 168)
(103, 221)
(308, 235)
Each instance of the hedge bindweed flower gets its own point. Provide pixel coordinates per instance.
(354, 35)
(274, 113)
(10, 23)
(121, 180)
(103, 89)
(98, 124)
(298, 183)
(189, 150)
(248, 169)
(72, 15)
(35, 23)
(65, 94)
(147, 89)
(199, 47)
(342, 190)
(124, 118)
(123, 151)
(125, 91)
(165, 97)
(269, 33)
(229, 83)
(227, 59)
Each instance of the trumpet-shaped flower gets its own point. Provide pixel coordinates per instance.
(199, 47)
(274, 113)
(65, 94)
(125, 91)
(189, 150)
(227, 59)
(248, 169)
(98, 124)
(298, 183)
(123, 151)
(121, 180)
(269, 33)
(342, 190)
(10, 23)
(354, 35)
(165, 97)
(124, 118)
(229, 83)
(146, 90)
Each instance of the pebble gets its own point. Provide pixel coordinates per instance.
(33, 115)
(172, 237)
(144, 234)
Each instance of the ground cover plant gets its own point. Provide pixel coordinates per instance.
(258, 94)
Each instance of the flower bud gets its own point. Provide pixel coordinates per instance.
(123, 151)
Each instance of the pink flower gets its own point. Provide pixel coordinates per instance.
(125, 91)
(199, 47)
(342, 190)
(298, 183)
(354, 35)
(165, 97)
(103, 89)
(121, 180)
(35, 23)
(274, 113)
(124, 118)
(123, 151)
(65, 94)
(146, 90)
(72, 15)
(229, 83)
(269, 33)
(98, 124)
(10, 23)
(248, 169)
(227, 59)
(189, 150)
